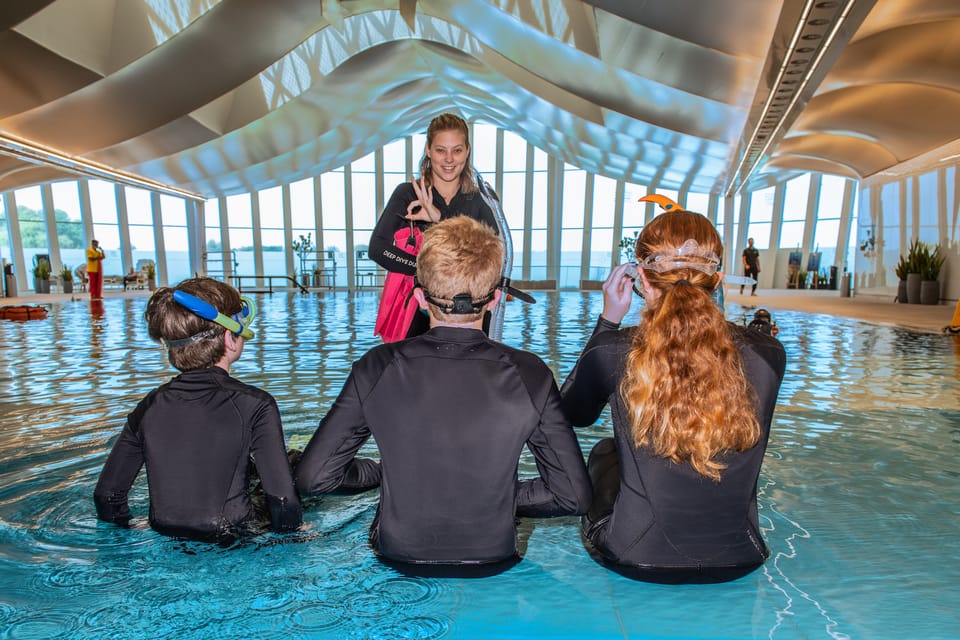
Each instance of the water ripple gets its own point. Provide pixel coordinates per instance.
(855, 498)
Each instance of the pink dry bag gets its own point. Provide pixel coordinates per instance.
(397, 305)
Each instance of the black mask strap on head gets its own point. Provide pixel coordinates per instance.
(463, 303)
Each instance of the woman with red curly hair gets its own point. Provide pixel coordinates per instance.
(692, 398)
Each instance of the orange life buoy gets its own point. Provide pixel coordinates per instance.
(23, 312)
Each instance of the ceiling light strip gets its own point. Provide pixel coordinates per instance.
(39, 154)
(806, 77)
(752, 157)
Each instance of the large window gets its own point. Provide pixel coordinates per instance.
(538, 228)
(303, 219)
(514, 193)
(794, 212)
(335, 221)
(175, 242)
(66, 206)
(365, 212)
(601, 237)
(271, 232)
(571, 227)
(827, 228)
(106, 230)
(761, 217)
(140, 221)
(240, 220)
(216, 263)
(33, 230)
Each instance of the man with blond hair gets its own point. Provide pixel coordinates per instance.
(451, 411)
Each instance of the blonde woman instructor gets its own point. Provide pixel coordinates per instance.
(446, 188)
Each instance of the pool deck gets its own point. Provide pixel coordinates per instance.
(872, 309)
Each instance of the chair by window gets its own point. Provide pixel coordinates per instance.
(82, 279)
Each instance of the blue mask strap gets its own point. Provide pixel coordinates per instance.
(207, 311)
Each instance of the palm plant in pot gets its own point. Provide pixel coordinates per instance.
(66, 277)
(41, 277)
(929, 272)
(916, 258)
(902, 269)
(150, 271)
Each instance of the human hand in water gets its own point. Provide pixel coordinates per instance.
(422, 208)
(618, 293)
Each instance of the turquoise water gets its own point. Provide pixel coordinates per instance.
(858, 498)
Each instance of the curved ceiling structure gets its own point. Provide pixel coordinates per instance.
(214, 98)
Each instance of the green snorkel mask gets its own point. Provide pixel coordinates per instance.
(238, 323)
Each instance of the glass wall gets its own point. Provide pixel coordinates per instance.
(240, 230)
(794, 212)
(514, 194)
(66, 207)
(33, 230)
(140, 226)
(564, 223)
(272, 242)
(761, 217)
(175, 243)
(571, 226)
(106, 229)
(829, 211)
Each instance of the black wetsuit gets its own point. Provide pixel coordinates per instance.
(197, 435)
(383, 252)
(450, 411)
(656, 520)
(751, 269)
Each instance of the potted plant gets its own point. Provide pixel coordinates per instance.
(317, 276)
(150, 271)
(628, 246)
(802, 279)
(929, 286)
(902, 269)
(302, 247)
(66, 276)
(917, 256)
(41, 277)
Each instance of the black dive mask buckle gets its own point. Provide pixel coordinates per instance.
(463, 304)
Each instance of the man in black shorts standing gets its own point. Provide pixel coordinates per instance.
(751, 265)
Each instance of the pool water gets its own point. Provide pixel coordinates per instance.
(858, 497)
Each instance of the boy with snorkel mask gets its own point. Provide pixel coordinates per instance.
(198, 433)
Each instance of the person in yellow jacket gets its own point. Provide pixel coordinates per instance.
(95, 258)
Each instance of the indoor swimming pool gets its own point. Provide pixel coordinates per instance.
(858, 497)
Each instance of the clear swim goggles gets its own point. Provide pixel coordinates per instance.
(689, 255)
(238, 323)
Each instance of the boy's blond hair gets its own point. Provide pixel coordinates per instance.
(459, 255)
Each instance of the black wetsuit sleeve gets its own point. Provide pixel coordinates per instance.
(563, 487)
(587, 389)
(381, 249)
(121, 469)
(269, 455)
(328, 463)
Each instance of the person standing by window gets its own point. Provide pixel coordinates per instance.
(751, 265)
(95, 258)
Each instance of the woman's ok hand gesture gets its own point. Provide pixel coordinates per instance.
(425, 209)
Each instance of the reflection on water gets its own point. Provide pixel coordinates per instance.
(858, 497)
